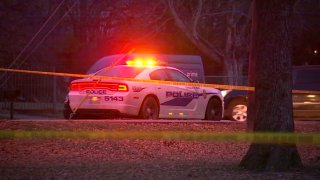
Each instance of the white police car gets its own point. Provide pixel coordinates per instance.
(109, 97)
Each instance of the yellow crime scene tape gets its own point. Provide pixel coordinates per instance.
(260, 138)
(218, 86)
(263, 138)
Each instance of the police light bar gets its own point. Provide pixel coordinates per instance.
(141, 62)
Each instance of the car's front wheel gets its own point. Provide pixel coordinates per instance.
(237, 110)
(149, 109)
(214, 110)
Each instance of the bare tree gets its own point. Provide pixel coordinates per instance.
(219, 29)
(24, 16)
(102, 27)
(270, 110)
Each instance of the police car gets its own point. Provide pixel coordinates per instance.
(168, 96)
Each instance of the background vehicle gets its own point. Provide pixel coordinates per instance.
(304, 105)
(190, 65)
(144, 99)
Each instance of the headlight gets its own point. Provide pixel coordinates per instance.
(225, 92)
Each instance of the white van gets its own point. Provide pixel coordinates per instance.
(191, 65)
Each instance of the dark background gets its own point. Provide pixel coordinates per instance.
(92, 29)
(70, 35)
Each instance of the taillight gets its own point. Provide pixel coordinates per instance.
(79, 86)
(122, 87)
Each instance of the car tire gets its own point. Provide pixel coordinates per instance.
(214, 110)
(237, 110)
(149, 108)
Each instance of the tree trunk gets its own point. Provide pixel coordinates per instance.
(251, 68)
(270, 56)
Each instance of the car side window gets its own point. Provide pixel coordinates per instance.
(159, 74)
(177, 76)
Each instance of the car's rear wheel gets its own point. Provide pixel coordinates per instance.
(149, 108)
(214, 110)
(237, 110)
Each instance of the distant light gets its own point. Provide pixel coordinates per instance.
(311, 96)
(170, 114)
(315, 51)
(181, 114)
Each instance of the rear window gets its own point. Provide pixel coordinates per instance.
(120, 71)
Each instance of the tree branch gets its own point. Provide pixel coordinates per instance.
(211, 52)
(196, 18)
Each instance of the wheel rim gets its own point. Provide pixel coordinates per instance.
(239, 112)
(214, 109)
(213, 112)
(150, 110)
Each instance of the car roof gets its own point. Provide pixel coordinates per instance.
(306, 67)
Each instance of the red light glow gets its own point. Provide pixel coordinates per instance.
(79, 86)
(141, 62)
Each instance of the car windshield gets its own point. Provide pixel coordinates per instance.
(120, 71)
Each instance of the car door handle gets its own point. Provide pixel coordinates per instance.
(159, 87)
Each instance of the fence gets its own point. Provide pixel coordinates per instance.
(36, 92)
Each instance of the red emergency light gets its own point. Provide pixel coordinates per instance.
(111, 86)
(142, 62)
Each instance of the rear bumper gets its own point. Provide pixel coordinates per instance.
(107, 113)
(84, 105)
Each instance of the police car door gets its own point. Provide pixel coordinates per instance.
(182, 100)
(161, 91)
